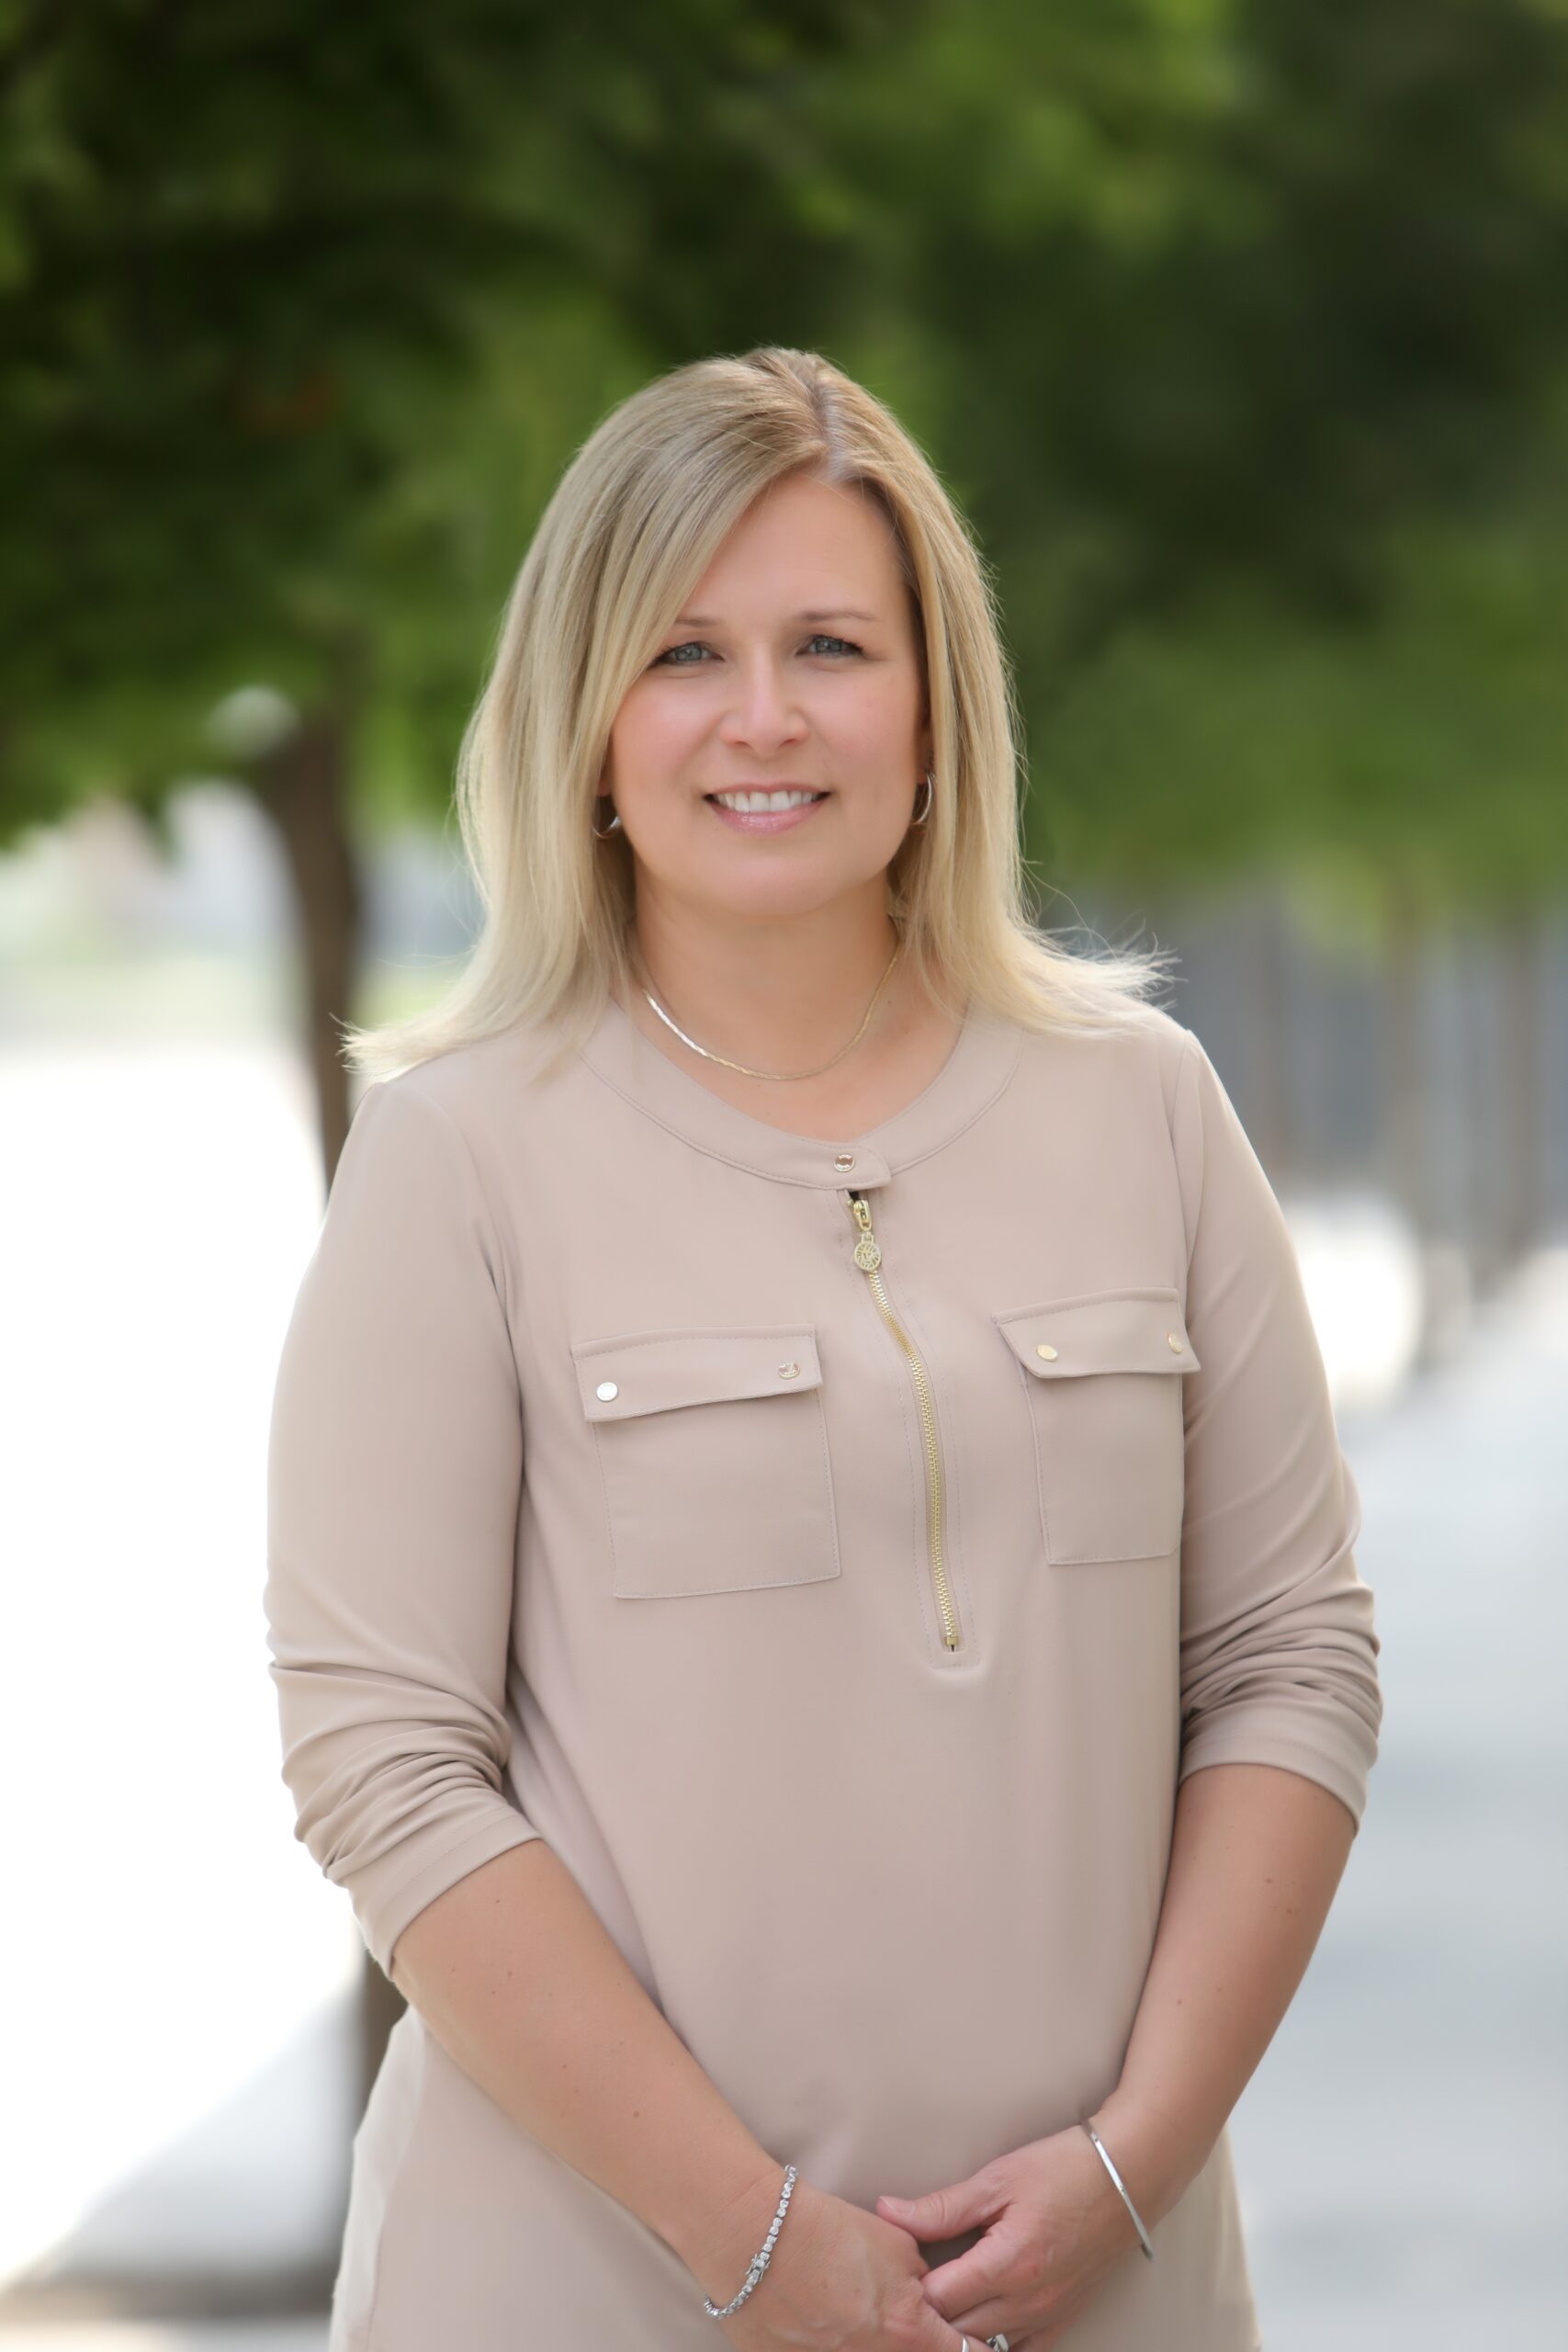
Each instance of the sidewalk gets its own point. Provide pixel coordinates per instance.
(1401, 2151)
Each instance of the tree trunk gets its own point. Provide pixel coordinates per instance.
(1271, 1109)
(1521, 1129)
(1405, 1065)
(303, 785)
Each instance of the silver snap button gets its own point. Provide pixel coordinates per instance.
(606, 1389)
(1047, 1351)
(843, 1159)
(789, 1371)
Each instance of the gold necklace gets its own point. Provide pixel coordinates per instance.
(781, 1075)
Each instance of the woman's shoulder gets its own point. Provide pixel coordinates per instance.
(469, 1080)
(1148, 1045)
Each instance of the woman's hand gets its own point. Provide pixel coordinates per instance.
(840, 2281)
(1055, 2228)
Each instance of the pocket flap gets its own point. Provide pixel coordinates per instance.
(653, 1373)
(1114, 1330)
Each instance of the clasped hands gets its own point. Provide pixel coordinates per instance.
(1056, 2226)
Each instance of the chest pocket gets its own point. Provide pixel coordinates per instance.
(714, 1450)
(1103, 1384)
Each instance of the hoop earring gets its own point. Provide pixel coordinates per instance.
(928, 780)
(614, 824)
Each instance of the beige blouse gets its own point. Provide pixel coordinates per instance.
(839, 1549)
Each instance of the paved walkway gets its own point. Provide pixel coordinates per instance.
(1401, 2148)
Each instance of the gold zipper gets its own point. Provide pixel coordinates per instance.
(868, 1258)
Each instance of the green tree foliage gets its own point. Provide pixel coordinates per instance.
(1206, 309)
(1217, 313)
(299, 310)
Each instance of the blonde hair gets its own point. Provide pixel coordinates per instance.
(633, 524)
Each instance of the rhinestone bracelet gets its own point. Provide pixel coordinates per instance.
(759, 2260)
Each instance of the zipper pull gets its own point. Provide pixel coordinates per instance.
(868, 1253)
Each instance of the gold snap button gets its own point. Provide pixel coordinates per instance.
(1174, 1342)
(606, 1389)
(789, 1371)
(844, 1160)
(1047, 1351)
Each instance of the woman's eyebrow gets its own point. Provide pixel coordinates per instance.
(837, 613)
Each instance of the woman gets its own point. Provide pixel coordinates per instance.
(800, 1441)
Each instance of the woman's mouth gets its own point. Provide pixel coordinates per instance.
(764, 812)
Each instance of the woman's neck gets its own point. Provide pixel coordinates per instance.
(906, 1042)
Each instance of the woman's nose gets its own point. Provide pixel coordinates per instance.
(763, 708)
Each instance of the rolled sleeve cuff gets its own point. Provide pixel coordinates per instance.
(388, 1893)
(1343, 1766)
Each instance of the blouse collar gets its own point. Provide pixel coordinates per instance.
(982, 1060)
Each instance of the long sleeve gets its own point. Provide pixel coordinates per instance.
(1278, 1651)
(394, 1465)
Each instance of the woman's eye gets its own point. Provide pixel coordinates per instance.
(694, 645)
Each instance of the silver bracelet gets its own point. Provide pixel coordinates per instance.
(759, 2260)
(1122, 2186)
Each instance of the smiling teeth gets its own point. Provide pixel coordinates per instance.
(759, 802)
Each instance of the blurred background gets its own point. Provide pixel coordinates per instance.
(1240, 332)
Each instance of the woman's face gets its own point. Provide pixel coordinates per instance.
(794, 663)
